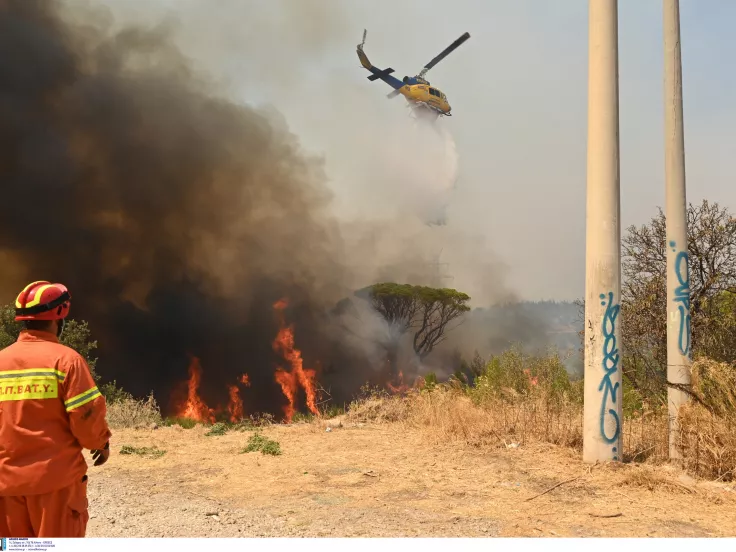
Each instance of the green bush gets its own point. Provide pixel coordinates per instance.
(264, 444)
(302, 417)
(332, 411)
(430, 382)
(218, 429)
(113, 393)
(186, 423)
(514, 375)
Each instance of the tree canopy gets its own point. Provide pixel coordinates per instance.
(425, 311)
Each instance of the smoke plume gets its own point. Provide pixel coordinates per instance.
(178, 217)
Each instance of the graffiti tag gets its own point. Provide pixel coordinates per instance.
(682, 298)
(610, 363)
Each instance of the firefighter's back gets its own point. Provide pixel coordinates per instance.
(38, 452)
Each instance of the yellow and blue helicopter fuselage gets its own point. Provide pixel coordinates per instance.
(416, 90)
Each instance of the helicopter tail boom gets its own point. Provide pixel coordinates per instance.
(383, 74)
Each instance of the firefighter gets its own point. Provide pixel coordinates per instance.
(50, 409)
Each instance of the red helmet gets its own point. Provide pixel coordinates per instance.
(43, 301)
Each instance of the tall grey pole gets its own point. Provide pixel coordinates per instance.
(603, 392)
(678, 277)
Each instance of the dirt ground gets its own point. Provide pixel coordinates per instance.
(381, 481)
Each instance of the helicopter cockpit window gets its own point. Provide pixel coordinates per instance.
(433, 92)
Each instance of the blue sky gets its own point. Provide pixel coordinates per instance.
(518, 89)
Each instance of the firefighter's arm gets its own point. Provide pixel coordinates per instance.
(85, 406)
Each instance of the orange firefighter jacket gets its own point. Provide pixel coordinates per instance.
(50, 409)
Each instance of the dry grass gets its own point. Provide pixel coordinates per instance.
(715, 384)
(451, 415)
(708, 427)
(128, 413)
(378, 408)
(492, 415)
(709, 443)
(652, 479)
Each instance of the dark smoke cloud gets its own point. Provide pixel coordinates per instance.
(176, 218)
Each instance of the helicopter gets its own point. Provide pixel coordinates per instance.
(417, 90)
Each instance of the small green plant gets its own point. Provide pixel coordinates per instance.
(264, 444)
(430, 382)
(186, 423)
(243, 425)
(114, 394)
(461, 379)
(303, 418)
(218, 429)
(332, 411)
(151, 452)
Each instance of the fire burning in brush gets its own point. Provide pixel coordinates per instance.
(290, 381)
(235, 406)
(400, 386)
(194, 408)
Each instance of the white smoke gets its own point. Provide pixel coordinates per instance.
(422, 158)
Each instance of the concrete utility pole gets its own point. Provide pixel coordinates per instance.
(603, 392)
(678, 276)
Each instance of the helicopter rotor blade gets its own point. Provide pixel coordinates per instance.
(442, 55)
(393, 94)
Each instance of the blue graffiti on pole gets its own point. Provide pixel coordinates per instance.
(682, 297)
(610, 363)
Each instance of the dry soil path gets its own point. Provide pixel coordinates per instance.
(383, 481)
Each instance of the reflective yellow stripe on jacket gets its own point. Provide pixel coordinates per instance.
(31, 383)
(82, 399)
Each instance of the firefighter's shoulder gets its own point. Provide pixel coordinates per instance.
(66, 358)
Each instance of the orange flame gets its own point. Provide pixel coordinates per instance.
(195, 408)
(533, 380)
(289, 381)
(235, 406)
(400, 386)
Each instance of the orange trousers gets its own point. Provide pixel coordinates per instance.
(59, 514)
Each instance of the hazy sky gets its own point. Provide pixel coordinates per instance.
(518, 89)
